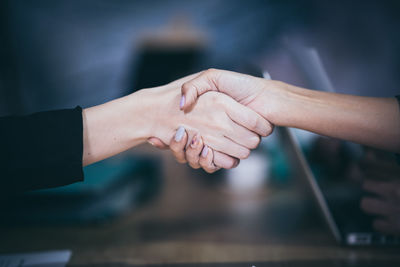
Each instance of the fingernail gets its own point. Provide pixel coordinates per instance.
(205, 151)
(182, 103)
(236, 163)
(194, 142)
(179, 133)
(150, 142)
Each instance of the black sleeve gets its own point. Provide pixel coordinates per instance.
(398, 155)
(41, 150)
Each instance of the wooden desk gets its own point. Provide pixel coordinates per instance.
(198, 220)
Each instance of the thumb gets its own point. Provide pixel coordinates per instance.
(192, 89)
(156, 142)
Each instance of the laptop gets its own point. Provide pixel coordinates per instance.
(337, 196)
(339, 202)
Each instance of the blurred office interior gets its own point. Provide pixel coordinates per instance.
(60, 54)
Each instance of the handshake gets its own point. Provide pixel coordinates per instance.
(213, 119)
(221, 116)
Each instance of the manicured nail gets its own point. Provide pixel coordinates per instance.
(179, 134)
(194, 142)
(205, 151)
(182, 103)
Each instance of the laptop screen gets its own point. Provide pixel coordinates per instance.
(335, 170)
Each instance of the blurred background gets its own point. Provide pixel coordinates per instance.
(60, 54)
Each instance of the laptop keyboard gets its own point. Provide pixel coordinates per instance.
(372, 239)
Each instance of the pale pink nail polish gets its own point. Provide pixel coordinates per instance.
(205, 151)
(179, 133)
(182, 103)
(194, 142)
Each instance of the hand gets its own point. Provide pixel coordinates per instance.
(225, 125)
(353, 118)
(245, 89)
(210, 160)
(385, 200)
(199, 155)
(123, 123)
(386, 205)
(261, 95)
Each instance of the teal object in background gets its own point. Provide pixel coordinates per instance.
(98, 176)
(279, 163)
(112, 187)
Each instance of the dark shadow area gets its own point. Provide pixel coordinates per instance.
(298, 263)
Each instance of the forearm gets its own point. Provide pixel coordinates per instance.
(126, 122)
(365, 120)
(115, 126)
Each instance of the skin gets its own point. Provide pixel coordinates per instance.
(369, 121)
(194, 154)
(126, 122)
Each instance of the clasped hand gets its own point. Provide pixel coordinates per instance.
(213, 130)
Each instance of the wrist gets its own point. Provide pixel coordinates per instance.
(276, 102)
(160, 112)
(138, 119)
(290, 106)
(111, 128)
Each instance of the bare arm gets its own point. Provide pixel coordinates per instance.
(365, 120)
(113, 127)
(118, 125)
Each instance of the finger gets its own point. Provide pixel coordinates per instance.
(248, 118)
(192, 89)
(178, 143)
(206, 160)
(384, 189)
(156, 142)
(243, 137)
(386, 226)
(193, 151)
(224, 161)
(376, 206)
(228, 146)
(185, 79)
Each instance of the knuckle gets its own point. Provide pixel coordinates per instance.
(209, 170)
(244, 154)
(210, 71)
(230, 165)
(254, 141)
(191, 156)
(180, 160)
(214, 98)
(192, 161)
(270, 129)
(186, 86)
(253, 122)
(175, 148)
(192, 86)
(194, 165)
